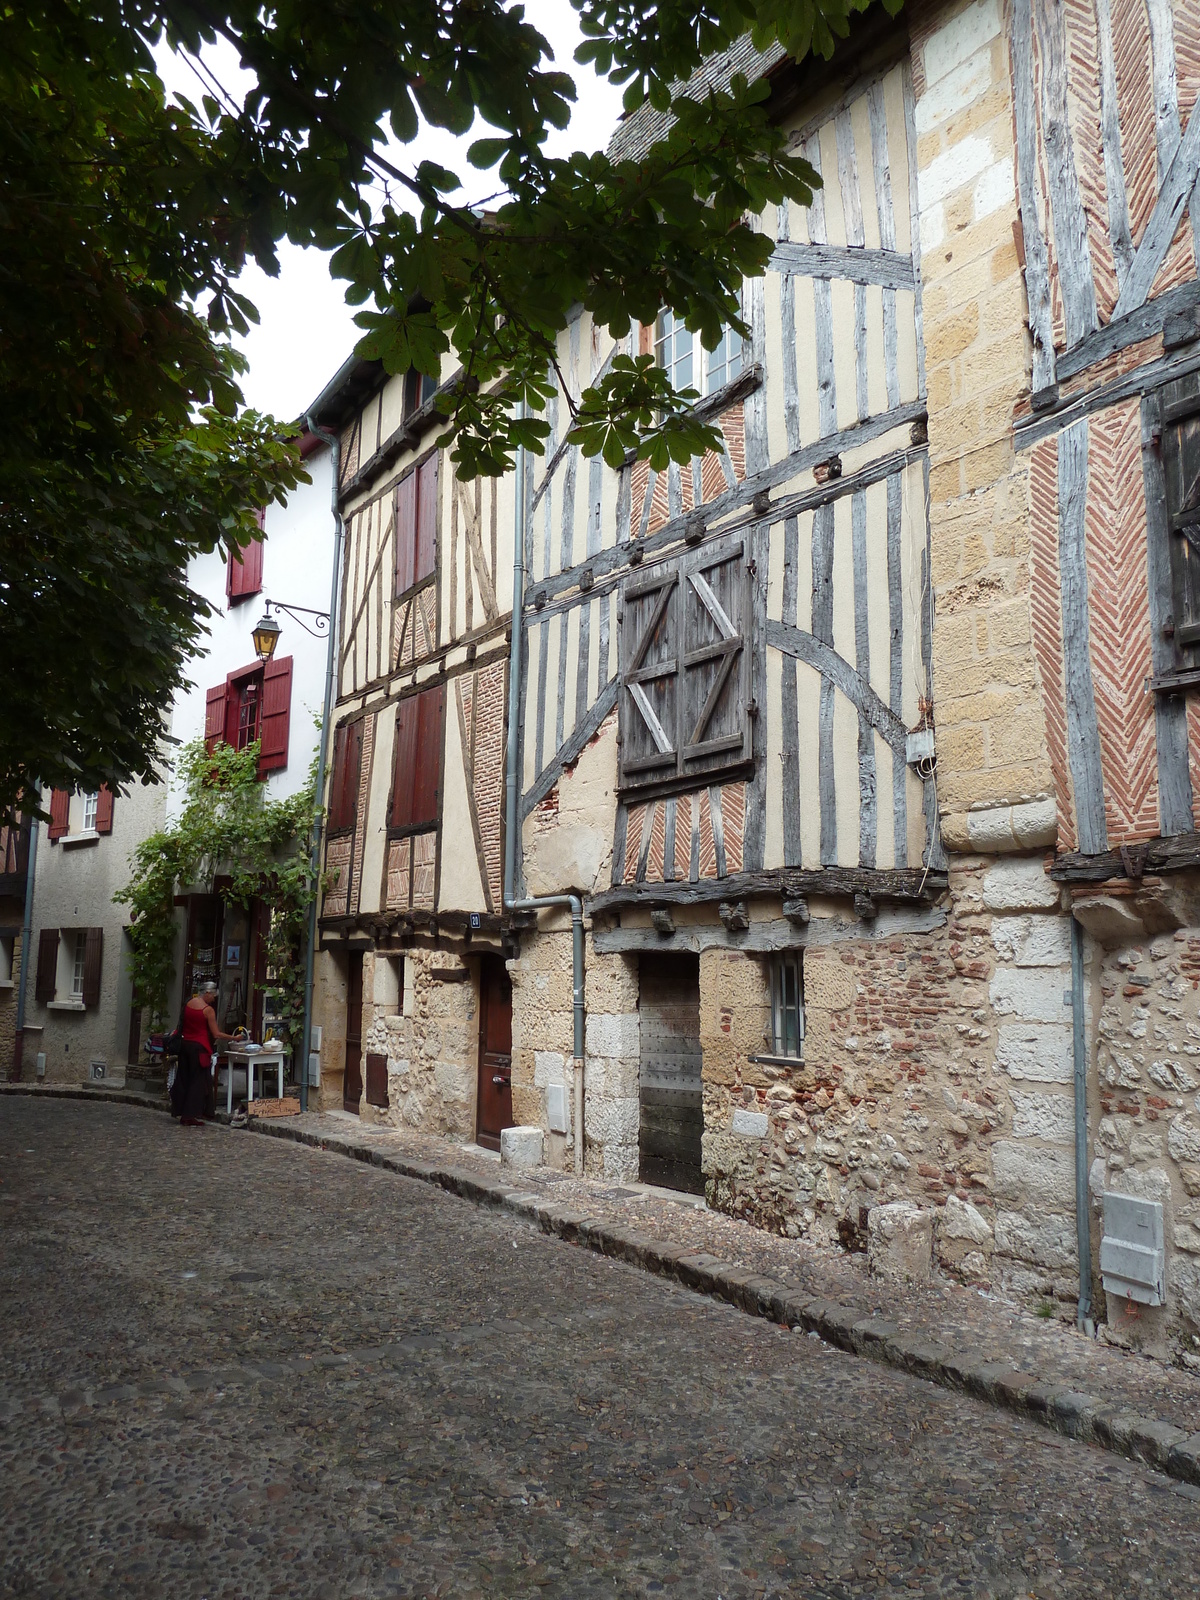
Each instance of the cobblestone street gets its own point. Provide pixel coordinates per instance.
(236, 1367)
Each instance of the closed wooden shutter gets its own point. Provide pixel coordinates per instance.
(377, 1081)
(214, 716)
(276, 716)
(685, 670)
(60, 813)
(1180, 411)
(104, 810)
(426, 556)
(47, 967)
(243, 575)
(406, 532)
(93, 953)
(417, 766)
(347, 770)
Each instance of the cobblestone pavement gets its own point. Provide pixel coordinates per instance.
(233, 1367)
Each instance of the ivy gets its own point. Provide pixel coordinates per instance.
(226, 826)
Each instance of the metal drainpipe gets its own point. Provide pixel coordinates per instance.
(331, 439)
(26, 948)
(1083, 1315)
(513, 804)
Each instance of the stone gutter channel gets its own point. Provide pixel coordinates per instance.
(1050, 1398)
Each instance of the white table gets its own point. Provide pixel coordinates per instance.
(247, 1060)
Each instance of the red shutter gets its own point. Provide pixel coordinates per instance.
(347, 769)
(60, 814)
(104, 809)
(406, 532)
(214, 716)
(47, 967)
(428, 783)
(337, 780)
(243, 574)
(93, 952)
(426, 557)
(276, 715)
(405, 761)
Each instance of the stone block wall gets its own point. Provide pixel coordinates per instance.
(429, 1032)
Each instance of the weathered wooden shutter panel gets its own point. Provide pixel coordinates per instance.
(214, 716)
(47, 967)
(406, 532)
(104, 810)
(60, 813)
(276, 715)
(347, 766)
(404, 762)
(1181, 465)
(93, 956)
(244, 577)
(715, 603)
(428, 779)
(649, 655)
(377, 1080)
(426, 540)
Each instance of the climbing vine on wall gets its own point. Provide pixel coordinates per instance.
(227, 825)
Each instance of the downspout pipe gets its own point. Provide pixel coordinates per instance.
(26, 949)
(1083, 1316)
(512, 810)
(332, 440)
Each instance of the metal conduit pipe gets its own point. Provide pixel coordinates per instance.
(512, 786)
(331, 439)
(1083, 1232)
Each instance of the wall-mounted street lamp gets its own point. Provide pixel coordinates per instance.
(266, 630)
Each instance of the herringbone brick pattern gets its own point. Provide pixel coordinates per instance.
(1045, 604)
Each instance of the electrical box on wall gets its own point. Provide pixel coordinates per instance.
(41, 1063)
(97, 1069)
(1132, 1258)
(556, 1108)
(314, 1070)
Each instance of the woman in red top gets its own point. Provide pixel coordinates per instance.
(201, 1032)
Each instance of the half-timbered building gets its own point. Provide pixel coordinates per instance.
(869, 742)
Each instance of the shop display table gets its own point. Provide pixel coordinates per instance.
(247, 1061)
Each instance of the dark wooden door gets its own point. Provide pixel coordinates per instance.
(352, 1080)
(671, 1119)
(495, 1052)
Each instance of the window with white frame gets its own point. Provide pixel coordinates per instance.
(80, 963)
(787, 1006)
(7, 957)
(91, 807)
(689, 364)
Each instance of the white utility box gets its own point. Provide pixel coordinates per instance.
(1132, 1258)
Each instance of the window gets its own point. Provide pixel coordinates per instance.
(80, 960)
(416, 525)
(79, 818)
(787, 1007)
(418, 388)
(253, 703)
(689, 364)
(243, 570)
(69, 967)
(347, 770)
(8, 943)
(685, 671)
(1179, 411)
(91, 804)
(417, 766)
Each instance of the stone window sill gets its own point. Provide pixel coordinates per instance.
(765, 1060)
(65, 1005)
(75, 841)
(7, 983)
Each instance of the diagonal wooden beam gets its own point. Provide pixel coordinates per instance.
(1172, 200)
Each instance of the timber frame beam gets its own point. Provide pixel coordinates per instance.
(905, 884)
(1177, 854)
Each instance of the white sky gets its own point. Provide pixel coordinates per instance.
(305, 330)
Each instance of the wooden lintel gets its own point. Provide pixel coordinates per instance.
(1178, 854)
(790, 883)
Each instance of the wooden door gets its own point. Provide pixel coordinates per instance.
(494, 1101)
(352, 1079)
(671, 1119)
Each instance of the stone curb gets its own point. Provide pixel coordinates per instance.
(1155, 1444)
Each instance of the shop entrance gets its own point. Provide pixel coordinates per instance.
(352, 1086)
(494, 1110)
(671, 1111)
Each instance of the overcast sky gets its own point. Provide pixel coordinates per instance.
(305, 331)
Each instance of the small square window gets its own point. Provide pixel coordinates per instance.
(787, 1006)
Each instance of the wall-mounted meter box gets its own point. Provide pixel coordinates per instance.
(1132, 1258)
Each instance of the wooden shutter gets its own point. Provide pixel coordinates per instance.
(1180, 411)
(377, 1081)
(104, 809)
(93, 953)
(243, 575)
(347, 770)
(275, 715)
(649, 653)
(47, 967)
(214, 716)
(60, 813)
(426, 551)
(646, 339)
(406, 532)
(685, 670)
(715, 599)
(417, 766)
